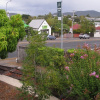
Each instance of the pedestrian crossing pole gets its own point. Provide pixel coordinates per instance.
(60, 17)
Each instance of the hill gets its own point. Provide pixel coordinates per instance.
(92, 13)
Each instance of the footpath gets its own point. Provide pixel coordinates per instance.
(11, 62)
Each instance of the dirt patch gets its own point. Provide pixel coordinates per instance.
(8, 92)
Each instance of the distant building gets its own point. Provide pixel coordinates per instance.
(40, 25)
(97, 32)
(97, 24)
(75, 27)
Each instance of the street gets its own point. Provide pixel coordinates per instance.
(68, 43)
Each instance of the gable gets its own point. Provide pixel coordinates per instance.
(44, 25)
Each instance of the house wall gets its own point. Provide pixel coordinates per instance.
(97, 34)
(97, 24)
(45, 26)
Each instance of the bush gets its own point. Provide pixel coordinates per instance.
(43, 81)
(77, 79)
(49, 56)
(83, 74)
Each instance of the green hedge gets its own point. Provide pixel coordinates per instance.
(48, 56)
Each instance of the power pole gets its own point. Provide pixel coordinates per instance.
(61, 27)
(72, 22)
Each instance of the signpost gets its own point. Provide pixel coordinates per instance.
(60, 17)
(59, 10)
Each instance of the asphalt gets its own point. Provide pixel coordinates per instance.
(11, 62)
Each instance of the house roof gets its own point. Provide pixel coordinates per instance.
(97, 28)
(36, 23)
(76, 26)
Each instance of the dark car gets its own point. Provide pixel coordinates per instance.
(50, 37)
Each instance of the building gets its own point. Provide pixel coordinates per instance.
(97, 32)
(97, 24)
(40, 25)
(75, 27)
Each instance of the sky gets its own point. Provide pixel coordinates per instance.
(42, 7)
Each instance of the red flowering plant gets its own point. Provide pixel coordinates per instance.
(84, 73)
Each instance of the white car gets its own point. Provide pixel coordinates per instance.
(84, 36)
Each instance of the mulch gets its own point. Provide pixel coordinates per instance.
(8, 92)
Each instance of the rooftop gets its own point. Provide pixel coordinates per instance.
(36, 23)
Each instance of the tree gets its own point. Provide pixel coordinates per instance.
(50, 21)
(87, 15)
(11, 30)
(65, 19)
(86, 25)
(48, 16)
(77, 19)
(27, 18)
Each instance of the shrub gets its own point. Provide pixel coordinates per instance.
(77, 79)
(49, 56)
(43, 80)
(83, 74)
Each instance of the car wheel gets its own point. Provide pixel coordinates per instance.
(84, 38)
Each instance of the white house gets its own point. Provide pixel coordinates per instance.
(40, 25)
(97, 24)
(97, 32)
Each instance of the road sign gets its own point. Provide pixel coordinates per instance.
(58, 4)
(59, 12)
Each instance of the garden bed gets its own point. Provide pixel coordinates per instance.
(8, 92)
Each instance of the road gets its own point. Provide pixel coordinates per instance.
(67, 43)
(74, 42)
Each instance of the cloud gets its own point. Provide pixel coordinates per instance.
(41, 7)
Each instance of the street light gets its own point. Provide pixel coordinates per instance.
(6, 6)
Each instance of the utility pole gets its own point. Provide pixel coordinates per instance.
(61, 27)
(72, 22)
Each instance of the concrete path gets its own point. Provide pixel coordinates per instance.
(11, 81)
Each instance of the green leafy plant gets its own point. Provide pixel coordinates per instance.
(43, 65)
(11, 31)
(49, 72)
(48, 56)
(83, 74)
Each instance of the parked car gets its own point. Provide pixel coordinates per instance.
(84, 36)
(50, 37)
